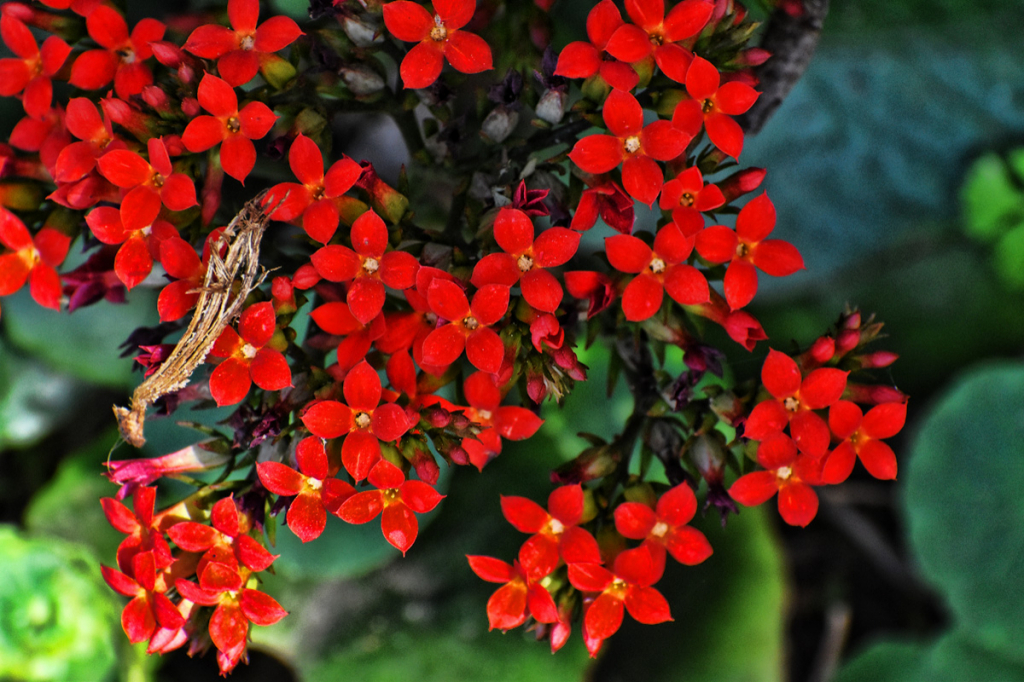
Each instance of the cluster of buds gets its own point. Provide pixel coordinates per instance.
(429, 340)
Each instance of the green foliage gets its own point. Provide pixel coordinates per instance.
(33, 399)
(58, 620)
(993, 199)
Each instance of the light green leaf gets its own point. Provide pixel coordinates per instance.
(993, 202)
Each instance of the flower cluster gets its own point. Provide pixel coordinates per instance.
(421, 321)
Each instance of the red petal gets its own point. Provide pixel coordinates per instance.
(93, 69)
(257, 324)
(634, 520)
(627, 253)
(398, 269)
(577, 546)
(629, 43)
(13, 273)
(506, 609)
(243, 14)
(496, 268)
(306, 161)
(138, 621)
(740, 284)
(133, 262)
(780, 374)
(642, 178)
(256, 119)
(879, 459)
(328, 419)
(252, 554)
(468, 52)
(228, 630)
(280, 479)
(702, 79)
(443, 346)
(663, 141)
(211, 41)
(399, 526)
(604, 616)
(362, 387)
(822, 387)
(541, 290)
(647, 605)
(336, 263)
(447, 300)
(307, 517)
(735, 98)
(539, 556)
(623, 114)
(17, 36)
(359, 453)
(839, 464)
(674, 61)
(485, 350)
(386, 475)
(369, 235)
(524, 514)
(687, 285)
(755, 488)
(677, 506)
(45, 287)
(455, 13)
(390, 422)
(193, 537)
(516, 423)
(420, 497)
(725, 134)
(422, 65)
(578, 60)
(119, 516)
(844, 418)
(555, 246)
(513, 230)
(541, 604)
(237, 156)
(687, 19)
(407, 21)
(341, 176)
(260, 608)
(366, 298)
(201, 133)
(642, 298)
(490, 303)
(361, 507)
(672, 245)
(602, 21)
(224, 516)
(217, 97)
(767, 418)
(810, 433)
(276, 33)
(798, 504)
(884, 421)
(139, 208)
(13, 233)
(320, 220)
(230, 382)
(688, 117)
(124, 168)
(777, 258)
(490, 569)
(311, 457)
(178, 192)
(270, 370)
(590, 577)
(688, 546)
(565, 503)
(597, 153)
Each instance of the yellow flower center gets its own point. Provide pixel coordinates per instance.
(362, 420)
(524, 263)
(370, 265)
(439, 32)
(248, 351)
(470, 323)
(659, 530)
(686, 200)
(247, 43)
(791, 404)
(233, 124)
(784, 473)
(708, 106)
(657, 266)
(632, 144)
(742, 250)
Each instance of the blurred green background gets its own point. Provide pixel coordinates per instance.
(897, 166)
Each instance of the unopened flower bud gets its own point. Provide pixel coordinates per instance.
(847, 341)
(728, 408)
(742, 182)
(499, 124)
(754, 56)
(822, 350)
(361, 33)
(590, 464)
(551, 107)
(157, 99)
(881, 358)
(874, 395)
(361, 79)
(438, 417)
(426, 466)
(458, 455)
(708, 455)
(190, 107)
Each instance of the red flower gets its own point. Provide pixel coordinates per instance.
(508, 606)
(122, 57)
(149, 183)
(658, 270)
(233, 128)
(316, 490)
(596, 287)
(861, 435)
(397, 498)
(33, 68)
(508, 421)
(227, 540)
(468, 325)
(142, 528)
(78, 159)
(336, 319)
(439, 38)
(633, 145)
(794, 403)
(139, 248)
(655, 33)
(556, 531)
(248, 359)
(712, 106)
(526, 258)
(319, 198)
(149, 609)
(609, 201)
(741, 326)
(583, 60)
(789, 472)
(33, 260)
(240, 52)
(746, 249)
(363, 422)
(665, 525)
(368, 267)
(183, 264)
(687, 196)
(132, 474)
(627, 585)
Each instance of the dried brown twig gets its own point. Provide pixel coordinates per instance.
(220, 302)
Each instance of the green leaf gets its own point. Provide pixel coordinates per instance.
(1009, 258)
(964, 503)
(33, 399)
(886, 661)
(993, 202)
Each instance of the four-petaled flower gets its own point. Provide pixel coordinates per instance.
(122, 57)
(499, 421)
(788, 472)
(226, 540)
(862, 436)
(686, 195)
(240, 50)
(746, 249)
(149, 609)
(34, 260)
(508, 606)
(468, 327)
(665, 525)
(525, 259)
(234, 129)
(583, 59)
(248, 359)
(399, 500)
(656, 34)
(635, 146)
(712, 106)
(33, 67)
(439, 38)
(363, 422)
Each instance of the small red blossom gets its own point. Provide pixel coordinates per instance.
(687, 195)
(148, 183)
(794, 400)
(439, 38)
(635, 146)
(499, 421)
(789, 473)
(241, 49)
(78, 159)
(318, 198)
(182, 263)
(468, 327)
(657, 270)
(367, 268)
(746, 250)
(625, 588)
(122, 57)
(508, 606)
(248, 359)
(335, 318)
(610, 202)
(742, 327)
(399, 500)
(34, 260)
(363, 421)
(583, 59)
(656, 34)
(149, 610)
(712, 104)
(33, 68)
(143, 528)
(228, 126)
(596, 287)
(133, 474)
(526, 259)
(862, 436)
(140, 248)
(315, 489)
(225, 541)
(665, 525)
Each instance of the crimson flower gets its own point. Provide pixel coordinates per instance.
(234, 129)
(33, 67)
(508, 606)
(248, 359)
(468, 327)
(149, 183)
(368, 268)
(122, 57)
(226, 540)
(439, 38)
(583, 59)
(635, 146)
(241, 49)
(665, 525)
(77, 159)
(657, 270)
(141, 526)
(183, 264)
(335, 318)
(34, 260)
(627, 585)
(861, 435)
(139, 248)
(746, 249)
(319, 199)
(596, 287)
(316, 491)
(399, 500)
(607, 200)
(788, 472)
(363, 422)
(656, 34)
(712, 104)
(686, 195)
(794, 401)
(149, 610)
(741, 326)
(133, 474)
(499, 421)
(555, 530)
(525, 259)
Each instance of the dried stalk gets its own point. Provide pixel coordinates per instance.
(220, 302)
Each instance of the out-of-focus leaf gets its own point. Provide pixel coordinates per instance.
(58, 621)
(1009, 258)
(993, 202)
(33, 399)
(886, 661)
